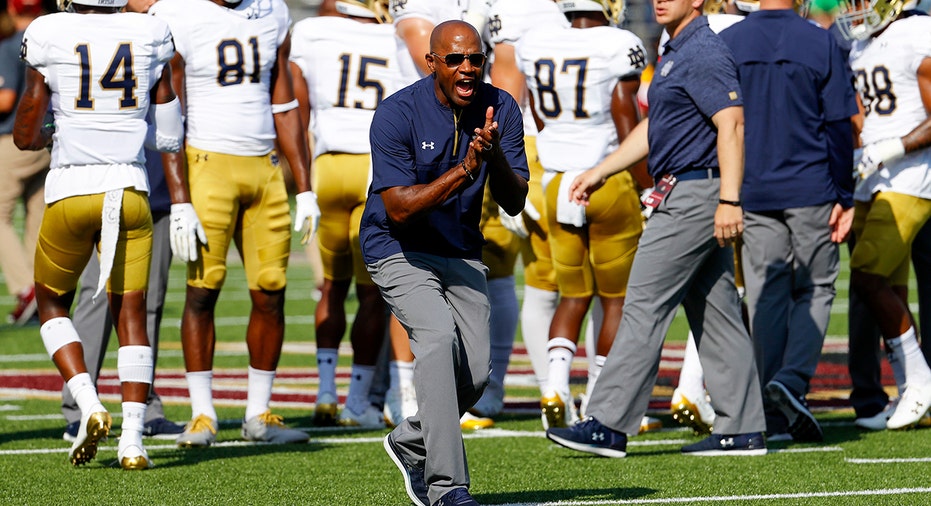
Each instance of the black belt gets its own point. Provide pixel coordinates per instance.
(698, 173)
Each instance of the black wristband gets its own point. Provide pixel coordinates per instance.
(735, 203)
(468, 173)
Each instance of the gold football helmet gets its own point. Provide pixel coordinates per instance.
(612, 9)
(377, 9)
(714, 7)
(858, 19)
(65, 5)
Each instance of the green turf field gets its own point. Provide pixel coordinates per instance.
(510, 464)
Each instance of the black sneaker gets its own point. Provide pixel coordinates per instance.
(456, 497)
(162, 428)
(414, 481)
(802, 424)
(736, 444)
(71, 431)
(590, 436)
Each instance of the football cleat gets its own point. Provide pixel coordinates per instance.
(877, 421)
(698, 415)
(25, 309)
(200, 432)
(470, 421)
(371, 418)
(95, 426)
(650, 424)
(133, 458)
(325, 410)
(556, 412)
(270, 428)
(912, 407)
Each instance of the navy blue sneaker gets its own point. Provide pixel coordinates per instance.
(802, 424)
(590, 436)
(456, 497)
(737, 444)
(162, 428)
(71, 431)
(414, 481)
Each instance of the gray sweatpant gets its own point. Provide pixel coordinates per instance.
(678, 262)
(93, 322)
(443, 304)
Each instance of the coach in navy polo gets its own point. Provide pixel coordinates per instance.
(694, 132)
(434, 145)
(797, 195)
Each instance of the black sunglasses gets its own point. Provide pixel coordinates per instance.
(456, 59)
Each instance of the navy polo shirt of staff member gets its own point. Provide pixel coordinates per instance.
(693, 141)
(434, 145)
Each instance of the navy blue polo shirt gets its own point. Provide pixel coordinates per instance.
(696, 78)
(12, 76)
(795, 82)
(415, 140)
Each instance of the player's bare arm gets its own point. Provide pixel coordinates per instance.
(28, 133)
(626, 115)
(292, 138)
(416, 35)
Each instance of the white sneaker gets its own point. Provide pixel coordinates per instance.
(270, 428)
(133, 458)
(912, 407)
(400, 403)
(695, 413)
(557, 411)
(877, 421)
(95, 425)
(372, 418)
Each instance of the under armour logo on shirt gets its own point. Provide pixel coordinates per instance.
(426, 145)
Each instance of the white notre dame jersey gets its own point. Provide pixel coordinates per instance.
(349, 68)
(435, 11)
(509, 20)
(885, 70)
(571, 74)
(228, 58)
(100, 69)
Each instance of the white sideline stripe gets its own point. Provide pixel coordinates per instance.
(673, 500)
(889, 461)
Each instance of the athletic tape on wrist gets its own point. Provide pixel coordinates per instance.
(58, 333)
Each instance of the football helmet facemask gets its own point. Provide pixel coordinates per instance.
(375, 9)
(612, 9)
(858, 19)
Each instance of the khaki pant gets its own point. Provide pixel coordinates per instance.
(23, 177)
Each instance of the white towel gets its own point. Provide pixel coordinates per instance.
(109, 233)
(567, 211)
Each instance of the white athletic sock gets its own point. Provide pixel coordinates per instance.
(133, 418)
(260, 392)
(898, 368)
(401, 372)
(200, 386)
(535, 318)
(561, 351)
(594, 370)
(691, 377)
(504, 312)
(326, 368)
(85, 393)
(907, 350)
(360, 381)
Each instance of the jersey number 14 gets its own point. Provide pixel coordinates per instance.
(119, 76)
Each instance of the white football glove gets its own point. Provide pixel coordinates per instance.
(186, 231)
(878, 153)
(516, 223)
(307, 216)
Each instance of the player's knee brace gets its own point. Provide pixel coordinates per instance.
(272, 279)
(58, 333)
(135, 364)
